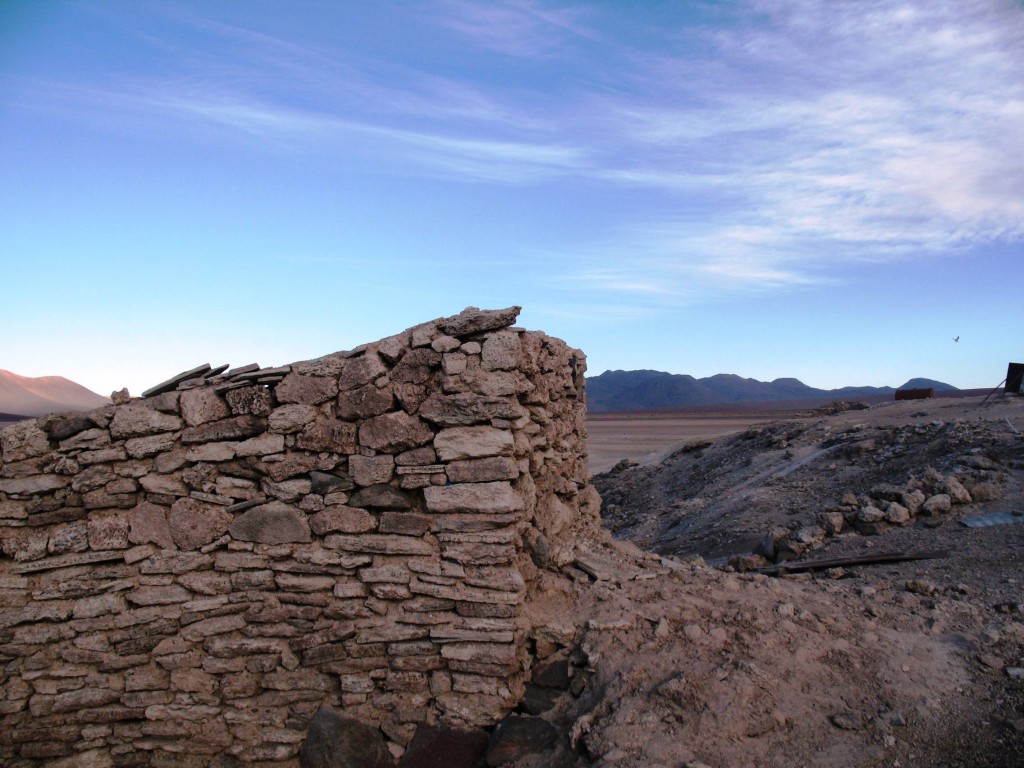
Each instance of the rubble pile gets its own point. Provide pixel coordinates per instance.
(881, 508)
(198, 571)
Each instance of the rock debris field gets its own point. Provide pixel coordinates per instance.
(392, 557)
(915, 663)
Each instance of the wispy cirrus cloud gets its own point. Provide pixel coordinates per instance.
(845, 132)
(521, 28)
(753, 153)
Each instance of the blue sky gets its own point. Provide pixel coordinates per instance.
(810, 188)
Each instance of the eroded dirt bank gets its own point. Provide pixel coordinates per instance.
(907, 664)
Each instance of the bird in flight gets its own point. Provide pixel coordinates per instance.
(957, 339)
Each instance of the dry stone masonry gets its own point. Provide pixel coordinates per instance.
(187, 577)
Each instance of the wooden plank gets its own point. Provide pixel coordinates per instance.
(799, 566)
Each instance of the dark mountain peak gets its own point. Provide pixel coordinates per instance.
(938, 386)
(650, 390)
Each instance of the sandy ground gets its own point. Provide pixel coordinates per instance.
(910, 664)
(647, 439)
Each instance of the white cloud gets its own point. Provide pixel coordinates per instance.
(518, 28)
(755, 153)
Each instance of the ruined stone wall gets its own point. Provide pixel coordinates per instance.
(186, 577)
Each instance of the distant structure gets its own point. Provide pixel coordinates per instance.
(923, 393)
(1014, 378)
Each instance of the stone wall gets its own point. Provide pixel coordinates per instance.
(186, 577)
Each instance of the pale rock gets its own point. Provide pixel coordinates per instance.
(380, 544)
(143, 447)
(189, 680)
(445, 343)
(273, 523)
(202, 405)
(328, 365)
(870, 514)
(479, 498)
(473, 321)
(939, 504)
(482, 470)
(169, 485)
(453, 363)
(218, 625)
(287, 465)
(85, 698)
(392, 432)
(342, 519)
(90, 438)
(213, 452)
(99, 605)
(417, 457)
(956, 491)
(896, 514)
(260, 445)
(166, 463)
(502, 351)
(460, 443)
(287, 419)
(23, 440)
(206, 583)
(391, 573)
(498, 383)
(466, 409)
(288, 582)
(913, 500)
(287, 490)
(393, 347)
(370, 470)
(232, 428)
(26, 486)
(140, 420)
(297, 388)
(103, 455)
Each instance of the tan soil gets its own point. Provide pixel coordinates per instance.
(908, 664)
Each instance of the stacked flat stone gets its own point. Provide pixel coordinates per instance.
(196, 572)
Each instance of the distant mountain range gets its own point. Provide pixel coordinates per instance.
(651, 390)
(612, 391)
(25, 396)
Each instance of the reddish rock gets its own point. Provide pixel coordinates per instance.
(148, 524)
(194, 523)
(273, 523)
(393, 432)
(364, 402)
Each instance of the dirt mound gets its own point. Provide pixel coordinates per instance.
(902, 664)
